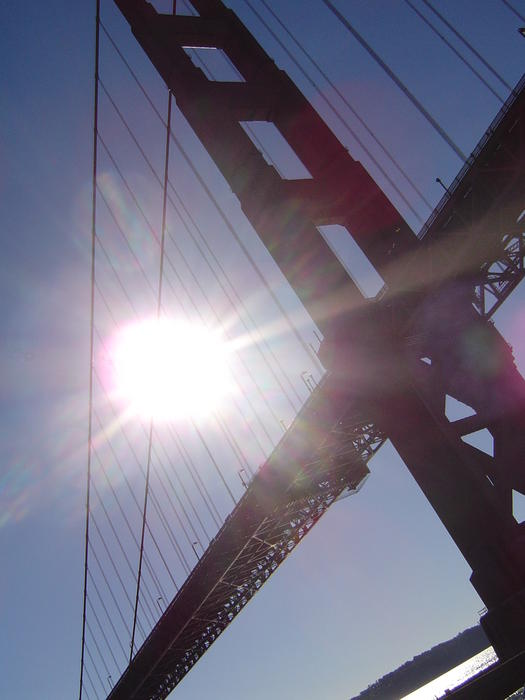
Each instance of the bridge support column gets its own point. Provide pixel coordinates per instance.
(405, 398)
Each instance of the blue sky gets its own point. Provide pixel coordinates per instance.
(378, 580)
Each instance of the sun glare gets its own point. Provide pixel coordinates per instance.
(166, 369)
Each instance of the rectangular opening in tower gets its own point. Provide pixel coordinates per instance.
(352, 258)
(276, 150)
(182, 7)
(214, 63)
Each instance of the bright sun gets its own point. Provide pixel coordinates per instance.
(166, 369)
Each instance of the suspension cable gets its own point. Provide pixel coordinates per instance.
(150, 439)
(199, 484)
(424, 112)
(155, 502)
(117, 538)
(103, 633)
(345, 101)
(93, 662)
(338, 115)
(115, 568)
(91, 337)
(468, 44)
(513, 9)
(109, 617)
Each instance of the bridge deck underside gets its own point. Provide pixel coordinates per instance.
(323, 454)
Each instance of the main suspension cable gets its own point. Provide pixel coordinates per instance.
(91, 337)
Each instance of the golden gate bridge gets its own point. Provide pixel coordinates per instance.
(187, 520)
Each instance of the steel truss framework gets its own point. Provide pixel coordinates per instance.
(322, 456)
(488, 192)
(391, 362)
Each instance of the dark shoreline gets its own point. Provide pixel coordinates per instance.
(424, 667)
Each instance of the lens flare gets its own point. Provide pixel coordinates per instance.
(165, 369)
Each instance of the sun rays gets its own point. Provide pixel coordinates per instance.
(166, 369)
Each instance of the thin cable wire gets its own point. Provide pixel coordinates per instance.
(94, 666)
(102, 657)
(150, 439)
(454, 50)
(129, 300)
(185, 458)
(111, 315)
(110, 618)
(345, 101)
(103, 633)
(194, 474)
(153, 498)
(214, 462)
(196, 536)
(513, 9)
(197, 480)
(351, 131)
(467, 44)
(110, 589)
(91, 336)
(113, 564)
(185, 492)
(424, 112)
(110, 522)
(88, 675)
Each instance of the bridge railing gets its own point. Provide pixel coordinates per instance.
(509, 102)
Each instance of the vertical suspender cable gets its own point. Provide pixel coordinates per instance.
(91, 337)
(430, 119)
(159, 303)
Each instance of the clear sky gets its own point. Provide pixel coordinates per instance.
(378, 580)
